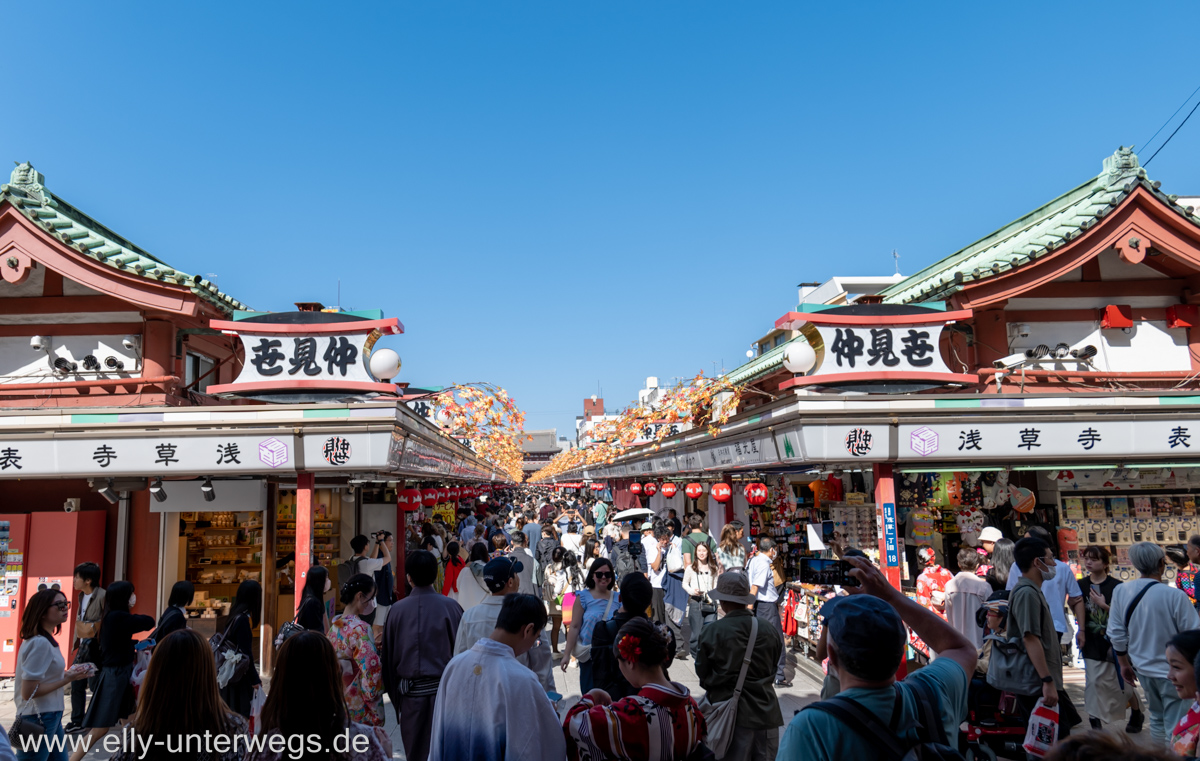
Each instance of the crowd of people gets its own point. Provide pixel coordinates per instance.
(467, 658)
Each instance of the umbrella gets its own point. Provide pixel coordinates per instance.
(631, 513)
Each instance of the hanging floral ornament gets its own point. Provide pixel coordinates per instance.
(650, 489)
(721, 492)
(429, 497)
(635, 488)
(756, 494)
(669, 490)
(693, 490)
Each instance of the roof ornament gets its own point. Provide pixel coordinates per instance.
(28, 179)
(1120, 165)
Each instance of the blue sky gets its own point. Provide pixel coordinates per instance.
(557, 195)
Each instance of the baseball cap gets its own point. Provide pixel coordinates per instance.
(647, 526)
(990, 534)
(868, 634)
(497, 572)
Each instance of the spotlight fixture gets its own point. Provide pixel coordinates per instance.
(1085, 353)
(64, 366)
(113, 363)
(91, 363)
(1062, 351)
(207, 490)
(157, 491)
(108, 493)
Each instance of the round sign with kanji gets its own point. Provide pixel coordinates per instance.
(336, 450)
(859, 442)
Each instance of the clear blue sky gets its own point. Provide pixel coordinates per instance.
(552, 195)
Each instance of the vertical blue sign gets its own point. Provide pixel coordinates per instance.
(889, 534)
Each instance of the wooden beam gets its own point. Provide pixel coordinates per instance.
(1091, 270)
(53, 284)
(64, 304)
(1113, 288)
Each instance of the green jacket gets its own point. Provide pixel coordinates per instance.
(722, 648)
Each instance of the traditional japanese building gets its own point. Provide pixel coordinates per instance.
(154, 424)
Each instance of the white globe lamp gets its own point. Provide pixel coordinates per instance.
(385, 364)
(799, 357)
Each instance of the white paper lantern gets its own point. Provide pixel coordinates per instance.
(799, 357)
(385, 364)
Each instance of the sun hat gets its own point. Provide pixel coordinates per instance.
(990, 534)
(733, 586)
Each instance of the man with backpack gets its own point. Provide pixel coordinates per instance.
(874, 716)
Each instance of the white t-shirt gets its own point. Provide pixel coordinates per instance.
(369, 565)
(652, 551)
(83, 604)
(762, 577)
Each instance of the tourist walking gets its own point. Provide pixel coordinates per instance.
(354, 645)
(174, 617)
(1105, 693)
(489, 704)
(306, 706)
(502, 578)
(1144, 615)
(520, 552)
(661, 722)
(636, 594)
(89, 610)
(597, 601)
(719, 659)
(1056, 588)
(41, 671)
(472, 589)
(113, 700)
(1001, 564)
(238, 694)
(731, 553)
(182, 674)
(418, 642)
(312, 613)
(965, 595)
(699, 578)
(766, 606)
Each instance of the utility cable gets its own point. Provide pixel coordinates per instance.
(1164, 145)
(1146, 145)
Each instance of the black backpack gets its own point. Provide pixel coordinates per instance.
(931, 743)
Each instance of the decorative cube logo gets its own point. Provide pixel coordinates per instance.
(924, 441)
(273, 452)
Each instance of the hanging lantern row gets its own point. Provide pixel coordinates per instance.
(756, 493)
(669, 490)
(414, 499)
(721, 492)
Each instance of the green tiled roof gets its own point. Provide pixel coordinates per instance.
(1038, 232)
(58, 218)
(760, 366)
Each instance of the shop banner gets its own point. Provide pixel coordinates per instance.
(973, 440)
(890, 546)
(153, 453)
(664, 464)
(347, 451)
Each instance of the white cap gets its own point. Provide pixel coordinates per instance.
(990, 534)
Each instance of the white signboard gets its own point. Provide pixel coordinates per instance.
(871, 348)
(1117, 440)
(162, 453)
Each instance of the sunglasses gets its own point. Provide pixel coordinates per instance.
(63, 605)
(603, 574)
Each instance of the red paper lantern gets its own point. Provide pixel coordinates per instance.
(693, 490)
(756, 494)
(721, 492)
(429, 497)
(635, 488)
(597, 487)
(455, 494)
(443, 494)
(650, 489)
(409, 499)
(669, 489)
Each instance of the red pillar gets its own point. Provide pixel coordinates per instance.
(304, 530)
(885, 511)
(142, 550)
(398, 556)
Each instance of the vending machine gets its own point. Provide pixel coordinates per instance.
(58, 542)
(14, 548)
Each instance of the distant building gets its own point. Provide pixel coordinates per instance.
(538, 452)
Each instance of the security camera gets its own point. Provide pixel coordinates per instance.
(130, 342)
(38, 343)
(71, 505)
(1010, 361)
(113, 363)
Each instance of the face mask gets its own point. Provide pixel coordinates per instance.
(1049, 573)
(368, 606)
(132, 600)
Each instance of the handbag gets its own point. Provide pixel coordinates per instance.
(1009, 669)
(24, 730)
(721, 717)
(287, 631)
(232, 664)
(583, 653)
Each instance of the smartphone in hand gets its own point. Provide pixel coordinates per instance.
(826, 572)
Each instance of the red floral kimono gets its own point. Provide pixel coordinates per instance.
(351, 639)
(635, 728)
